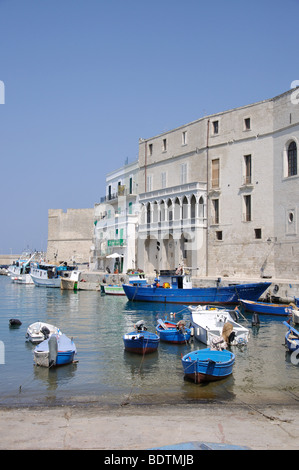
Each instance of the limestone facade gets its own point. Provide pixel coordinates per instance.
(70, 235)
(218, 193)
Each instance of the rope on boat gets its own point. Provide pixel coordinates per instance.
(126, 402)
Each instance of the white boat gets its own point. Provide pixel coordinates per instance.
(49, 275)
(72, 282)
(211, 323)
(19, 271)
(39, 331)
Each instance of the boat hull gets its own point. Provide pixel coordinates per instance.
(206, 365)
(141, 343)
(114, 290)
(267, 308)
(39, 282)
(64, 353)
(172, 334)
(229, 295)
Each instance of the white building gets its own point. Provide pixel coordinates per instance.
(116, 217)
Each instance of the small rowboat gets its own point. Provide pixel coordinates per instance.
(267, 308)
(291, 338)
(173, 332)
(206, 365)
(141, 341)
(57, 350)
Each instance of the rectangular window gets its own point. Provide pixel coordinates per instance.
(215, 173)
(247, 169)
(184, 137)
(258, 233)
(247, 125)
(131, 185)
(164, 145)
(247, 207)
(183, 173)
(219, 235)
(215, 203)
(150, 149)
(149, 183)
(163, 179)
(215, 127)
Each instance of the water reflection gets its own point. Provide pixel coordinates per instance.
(263, 371)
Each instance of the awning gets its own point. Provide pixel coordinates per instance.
(115, 255)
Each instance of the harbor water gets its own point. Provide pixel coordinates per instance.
(107, 375)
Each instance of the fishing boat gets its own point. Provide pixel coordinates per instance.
(19, 271)
(39, 331)
(215, 326)
(57, 350)
(176, 287)
(135, 278)
(267, 308)
(291, 338)
(141, 341)
(205, 365)
(50, 275)
(172, 332)
(72, 282)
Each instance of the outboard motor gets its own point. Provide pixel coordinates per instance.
(140, 326)
(53, 350)
(45, 331)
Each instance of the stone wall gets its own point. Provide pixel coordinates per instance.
(70, 235)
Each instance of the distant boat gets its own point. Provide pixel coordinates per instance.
(207, 365)
(212, 324)
(49, 275)
(114, 290)
(57, 350)
(141, 341)
(176, 287)
(19, 271)
(267, 308)
(291, 338)
(172, 332)
(39, 331)
(135, 278)
(72, 282)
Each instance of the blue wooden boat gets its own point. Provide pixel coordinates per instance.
(267, 308)
(177, 288)
(206, 365)
(57, 350)
(291, 338)
(141, 341)
(172, 332)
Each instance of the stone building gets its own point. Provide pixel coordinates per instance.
(70, 235)
(221, 194)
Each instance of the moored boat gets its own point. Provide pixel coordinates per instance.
(176, 287)
(291, 338)
(19, 271)
(205, 365)
(141, 341)
(39, 331)
(72, 282)
(266, 308)
(57, 350)
(50, 275)
(216, 326)
(172, 332)
(114, 290)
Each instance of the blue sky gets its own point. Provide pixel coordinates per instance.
(85, 79)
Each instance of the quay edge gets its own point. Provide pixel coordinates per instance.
(280, 290)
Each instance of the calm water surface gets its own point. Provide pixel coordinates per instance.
(105, 374)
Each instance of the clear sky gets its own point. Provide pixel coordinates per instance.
(85, 79)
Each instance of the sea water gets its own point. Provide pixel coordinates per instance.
(106, 375)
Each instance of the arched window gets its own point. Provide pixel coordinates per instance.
(292, 159)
